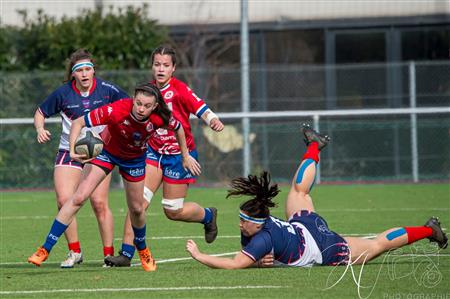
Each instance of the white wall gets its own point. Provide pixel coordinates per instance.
(171, 12)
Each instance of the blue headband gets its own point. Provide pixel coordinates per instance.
(245, 217)
(81, 64)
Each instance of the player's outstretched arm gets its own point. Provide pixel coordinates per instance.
(188, 161)
(240, 260)
(212, 120)
(43, 135)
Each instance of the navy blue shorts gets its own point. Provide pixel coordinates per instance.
(63, 159)
(334, 248)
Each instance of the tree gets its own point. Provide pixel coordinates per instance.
(119, 39)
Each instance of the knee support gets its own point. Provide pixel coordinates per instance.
(172, 204)
(148, 194)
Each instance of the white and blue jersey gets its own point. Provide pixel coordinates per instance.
(302, 242)
(71, 103)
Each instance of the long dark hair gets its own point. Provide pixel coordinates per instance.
(79, 54)
(163, 50)
(261, 191)
(162, 109)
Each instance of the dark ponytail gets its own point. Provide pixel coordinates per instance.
(261, 191)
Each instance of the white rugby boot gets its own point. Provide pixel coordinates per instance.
(72, 259)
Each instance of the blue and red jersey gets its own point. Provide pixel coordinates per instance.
(303, 241)
(126, 137)
(182, 102)
(71, 103)
(278, 237)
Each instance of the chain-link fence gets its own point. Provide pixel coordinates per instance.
(364, 147)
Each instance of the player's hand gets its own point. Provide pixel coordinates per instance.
(43, 135)
(216, 125)
(80, 158)
(189, 163)
(192, 248)
(266, 261)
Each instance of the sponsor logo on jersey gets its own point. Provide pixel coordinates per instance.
(73, 106)
(97, 102)
(161, 131)
(149, 127)
(110, 86)
(137, 138)
(110, 110)
(168, 95)
(85, 103)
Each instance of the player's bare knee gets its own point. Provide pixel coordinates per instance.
(173, 208)
(61, 200)
(136, 210)
(100, 207)
(79, 199)
(173, 214)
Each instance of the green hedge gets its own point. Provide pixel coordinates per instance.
(118, 38)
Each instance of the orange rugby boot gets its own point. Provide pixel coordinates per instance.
(39, 256)
(147, 261)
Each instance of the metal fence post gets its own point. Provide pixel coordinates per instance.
(413, 118)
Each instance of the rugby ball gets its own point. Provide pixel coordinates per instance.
(89, 143)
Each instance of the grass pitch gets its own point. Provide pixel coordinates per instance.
(418, 271)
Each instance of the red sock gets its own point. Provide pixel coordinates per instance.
(108, 250)
(418, 233)
(75, 247)
(312, 152)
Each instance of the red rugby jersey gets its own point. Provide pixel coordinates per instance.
(125, 137)
(182, 102)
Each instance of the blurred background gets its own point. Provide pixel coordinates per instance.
(374, 75)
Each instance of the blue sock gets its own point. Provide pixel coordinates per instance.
(128, 250)
(139, 237)
(208, 216)
(56, 231)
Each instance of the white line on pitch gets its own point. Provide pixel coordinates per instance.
(161, 261)
(441, 209)
(157, 261)
(140, 289)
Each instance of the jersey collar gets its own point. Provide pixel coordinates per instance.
(94, 84)
(167, 85)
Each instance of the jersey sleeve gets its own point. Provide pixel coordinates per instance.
(157, 121)
(192, 102)
(103, 115)
(52, 104)
(174, 124)
(258, 246)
